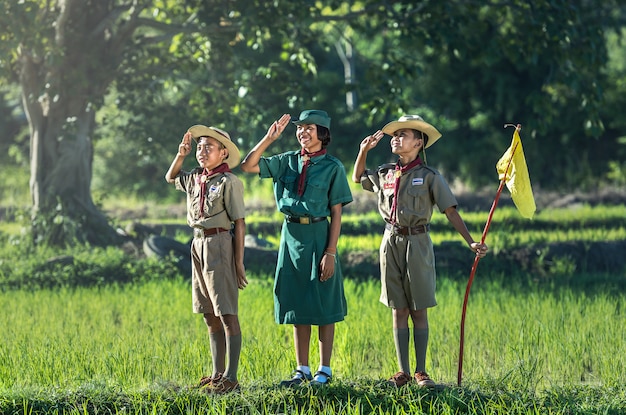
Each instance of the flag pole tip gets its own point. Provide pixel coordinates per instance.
(518, 127)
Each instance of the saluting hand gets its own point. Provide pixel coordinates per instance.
(278, 126)
(371, 141)
(184, 148)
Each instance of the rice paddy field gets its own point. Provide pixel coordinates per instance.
(136, 347)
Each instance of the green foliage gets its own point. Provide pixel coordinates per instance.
(617, 173)
(37, 268)
(13, 150)
(152, 70)
(477, 69)
(615, 98)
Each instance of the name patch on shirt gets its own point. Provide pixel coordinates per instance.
(418, 181)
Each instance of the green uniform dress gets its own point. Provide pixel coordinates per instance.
(299, 296)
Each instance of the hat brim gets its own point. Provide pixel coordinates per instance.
(432, 133)
(234, 156)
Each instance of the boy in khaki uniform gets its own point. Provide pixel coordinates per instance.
(214, 204)
(407, 192)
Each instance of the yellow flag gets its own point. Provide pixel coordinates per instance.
(517, 179)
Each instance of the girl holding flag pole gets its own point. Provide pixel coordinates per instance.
(407, 192)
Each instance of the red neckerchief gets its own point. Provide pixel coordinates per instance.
(204, 177)
(306, 160)
(400, 170)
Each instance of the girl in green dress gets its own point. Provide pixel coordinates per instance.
(309, 186)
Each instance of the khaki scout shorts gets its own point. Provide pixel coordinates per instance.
(213, 277)
(407, 271)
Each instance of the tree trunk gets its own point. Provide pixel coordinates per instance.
(60, 92)
(61, 172)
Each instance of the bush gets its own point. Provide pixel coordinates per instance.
(41, 267)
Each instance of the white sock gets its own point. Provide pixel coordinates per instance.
(304, 369)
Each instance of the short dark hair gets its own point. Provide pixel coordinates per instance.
(417, 133)
(323, 134)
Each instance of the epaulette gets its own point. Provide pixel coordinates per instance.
(432, 169)
(334, 159)
(386, 166)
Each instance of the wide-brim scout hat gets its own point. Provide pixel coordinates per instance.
(317, 117)
(414, 122)
(234, 156)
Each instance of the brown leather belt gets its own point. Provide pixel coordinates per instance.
(407, 230)
(305, 220)
(200, 232)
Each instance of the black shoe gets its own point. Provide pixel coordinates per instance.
(299, 377)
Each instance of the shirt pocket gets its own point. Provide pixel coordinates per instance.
(418, 201)
(317, 195)
(288, 185)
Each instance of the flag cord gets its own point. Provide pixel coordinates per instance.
(477, 258)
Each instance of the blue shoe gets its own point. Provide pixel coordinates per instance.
(321, 379)
(299, 377)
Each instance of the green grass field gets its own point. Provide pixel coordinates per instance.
(139, 346)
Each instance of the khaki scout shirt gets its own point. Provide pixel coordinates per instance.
(223, 202)
(421, 188)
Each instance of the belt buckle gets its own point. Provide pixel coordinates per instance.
(198, 232)
(305, 220)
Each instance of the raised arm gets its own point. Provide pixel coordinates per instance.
(250, 163)
(184, 148)
(366, 145)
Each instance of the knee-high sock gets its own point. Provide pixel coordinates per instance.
(233, 350)
(401, 339)
(420, 338)
(217, 341)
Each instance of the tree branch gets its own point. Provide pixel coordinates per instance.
(109, 20)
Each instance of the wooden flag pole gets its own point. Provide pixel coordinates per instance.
(477, 258)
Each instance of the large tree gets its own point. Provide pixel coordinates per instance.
(64, 54)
